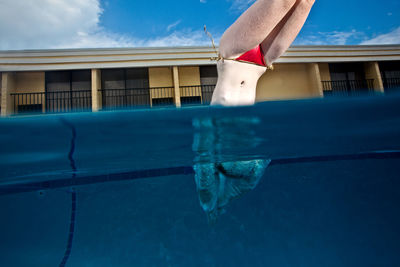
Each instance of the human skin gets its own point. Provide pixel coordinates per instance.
(272, 23)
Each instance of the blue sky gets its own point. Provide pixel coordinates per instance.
(117, 23)
(363, 19)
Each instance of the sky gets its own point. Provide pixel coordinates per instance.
(44, 24)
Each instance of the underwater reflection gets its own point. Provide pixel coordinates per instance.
(220, 178)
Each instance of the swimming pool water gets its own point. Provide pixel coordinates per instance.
(329, 196)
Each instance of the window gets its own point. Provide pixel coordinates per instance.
(137, 78)
(346, 71)
(347, 79)
(77, 80)
(208, 75)
(58, 81)
(125, 87)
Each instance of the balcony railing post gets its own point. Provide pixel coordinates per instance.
(14, 100)
(348, 87)
(70, 100)
(47, 102)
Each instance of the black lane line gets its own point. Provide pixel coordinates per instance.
(181, 170)
(68, 249)
(395, 154)
(68, 182)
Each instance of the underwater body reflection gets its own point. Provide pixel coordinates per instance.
(218, 182)
(303, 183)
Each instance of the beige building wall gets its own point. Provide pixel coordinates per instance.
(29, 82)
(372, 72)
(161, 77)
(189, 76)
(286, 81)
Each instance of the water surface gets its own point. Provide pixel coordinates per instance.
(329, 196)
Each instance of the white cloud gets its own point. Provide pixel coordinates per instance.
(39, 24)
(203, 1)
(180, 38)
(44, 23)
(392, 37)
(241, 5)
(330, 38)
(173, 25)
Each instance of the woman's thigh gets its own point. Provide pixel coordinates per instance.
(253, 26)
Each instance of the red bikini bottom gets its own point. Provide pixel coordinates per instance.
(254, 55)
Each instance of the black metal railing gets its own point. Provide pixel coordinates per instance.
(137, 97)
(66, 101)
(122, 98)
(162, 96)
(206, 93)
(28, 102)
(348, 87)
(391, 83)
(191, 95)
(62, 101)
(196, 94)
(81, 100)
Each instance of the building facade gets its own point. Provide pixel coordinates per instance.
(47, 81)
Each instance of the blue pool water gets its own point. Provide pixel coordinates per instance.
(119, 188)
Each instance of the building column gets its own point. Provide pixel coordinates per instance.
(177, 94)
(372, 72)
(7, 86)
(96, 86)
(315, 80)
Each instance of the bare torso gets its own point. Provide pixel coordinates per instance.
(237, 82)
(272, 24)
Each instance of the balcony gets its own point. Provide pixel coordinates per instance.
(52, 102)
(112, 99)
(348, 87)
